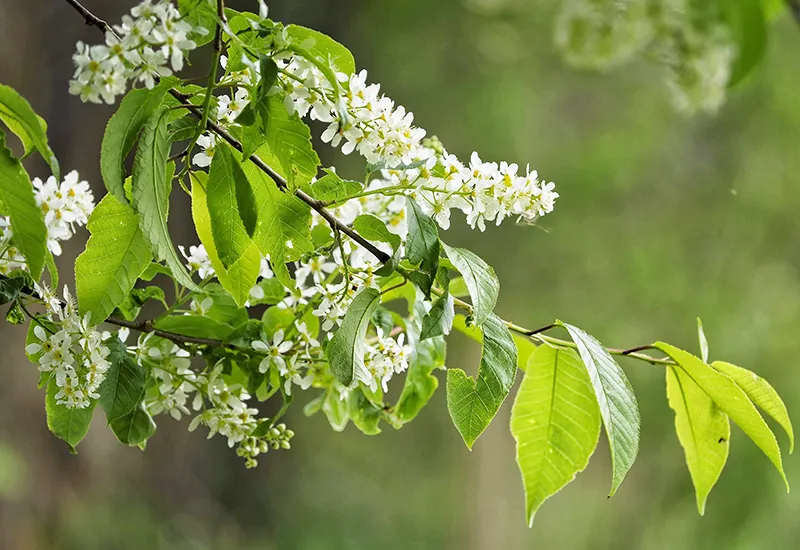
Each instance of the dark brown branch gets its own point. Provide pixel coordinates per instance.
(88, 17)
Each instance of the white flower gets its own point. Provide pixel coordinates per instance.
(317, 267)
(197, 261)
(274, 352)
(297, 373)
(206, 142)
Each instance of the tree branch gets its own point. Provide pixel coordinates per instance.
(88, 17)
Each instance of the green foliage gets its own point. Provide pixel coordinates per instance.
(473, 403)
(731, 399)
(748, 26)
(373, 229)
(439, 320)
(21, 119)
(703, 430)
(195, 326)
(480, 280)
(27, 222)
(345, 352)
(555, 422)
(152, 184)
(69, 425)
(121, 133)
(116, 254)
(324, 48)
(332, 188)
(617, 402)
(10, 288)
(121, 396)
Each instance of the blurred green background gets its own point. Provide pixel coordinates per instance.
(661, 219)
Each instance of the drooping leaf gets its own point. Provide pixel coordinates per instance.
(152, 185)
(27, 221)
(121, 132)
(69, 425)
(345, 351)
(701, 338)
(121, 395)
(243, 274)
(323, 47)
(10, 288)
(731, 399)
(373, 229)
(555, 422)
(288, 146)
(116, 254)
(748, 29)
(422, 243)
(480, 279)
(230, 202)
(282, 219)
(473, 403)
(420, 384)
(336, 410)
(439, 320)
(618, 406)
(27, 125)
(365, 415)
(200, 14)
(704, 432)
(761, 393)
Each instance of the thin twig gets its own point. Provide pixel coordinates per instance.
(88, 17)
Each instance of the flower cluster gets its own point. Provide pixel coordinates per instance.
(69, 350)
(197, 261)
(65, 205)
(385, 357)
(150, 43)
(602, 34)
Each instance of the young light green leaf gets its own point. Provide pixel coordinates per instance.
(283, 230)
(761, 393)
(225, 178)
(152, 184)
(439, 320)
(336, 410)
(70, 425)
(121, 395)
(422, 245)
(345, 352)
(480, 279)
(195, 326)
(288, 145)
(116, 254)
(731, 399)
(243, 274)
(332, 188)
(27, 221)
(323, 47)
(365, 416)
(701, 337)
(373, 229)
(121, 132)
(28, 125)
(555, 422)
(473, 403)
(704, 432)
(617, 402)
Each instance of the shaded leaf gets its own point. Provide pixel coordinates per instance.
(480, 280)
(345, 351)
(439, 320)
(27, 125)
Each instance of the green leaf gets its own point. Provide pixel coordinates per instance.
(30, 128)
(282, 218)
(27, 221)
(131, 306)
(243, 274)
(10, 288)
(121, 397)
(332, 188)
(288, 145)
(336, 410)
(555, 422)
(365, 415)
(480, 279)
(345, 352)
(731, 399)
(473, 403)
(152, 184)
(121, 132)
(761, 393)
(226, 193)
(748, 28)
(420, 384)
(323, 47)
(195, 326)
(200, 14)
(701, 338)
(373, 229)
(116, 254)
(70, 425)
(617, 402)
(703, 430)
(439, 320)
(422, 243)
